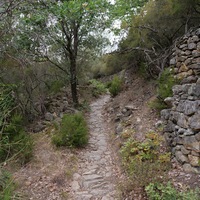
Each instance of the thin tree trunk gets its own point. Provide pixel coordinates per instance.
(73, 81)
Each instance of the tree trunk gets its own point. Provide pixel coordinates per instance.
(73, 81)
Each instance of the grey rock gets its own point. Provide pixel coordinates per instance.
(177, 89)
(181, 131)
(169, 101)
(194, 160)
(198, 46)
(192, 98)
(174, 116)
(194, 38)
(178, 147)
(127, 113)
(118, 117)
(198, 32)
(190, 107)
(181, 58)
(124, 110)
(180, 157)
(188, 168)
(75, 185)
(183, 46)
(165, 114)
(188, 61)
(184, 150)
(179, 140)
(194, 122)
(188, 52)
(194, 90)
(194, 153)
(92, 177)
(172, 61)
(182, 121)
(189, 79)
(191, 143)
(49, 116)
(170, 127)
(196, 60)
(195, 53)
(188, 132)
(130, 107)
(194, 66)
(181, 106)
(197, 137)
(158, 124)
(192, 46)
(119, 129)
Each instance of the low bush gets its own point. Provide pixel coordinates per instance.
(157, 191)
(6, 185)
(98, 87)
(164, 89)
(143, 160)
(73, 131)
(115, 86)
(165, 83)
(14, 141)
(56, 85)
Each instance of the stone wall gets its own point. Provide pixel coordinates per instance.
(182, 119)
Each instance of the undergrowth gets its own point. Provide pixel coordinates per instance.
(164, 89)
(144, 161)
(98, 87)
(115, 86)
(15, 143)
(73, 131)
(158, 191)
(7, 186)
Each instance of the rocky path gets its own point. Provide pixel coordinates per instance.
(64, 174)
(95, 178)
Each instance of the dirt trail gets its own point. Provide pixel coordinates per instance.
(96, 176)
(63, 174)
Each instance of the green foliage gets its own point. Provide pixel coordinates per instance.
(144, 159)
(6, 185)
(115, 86)
(98, 87)
(165, 83)
(73, 131)
(153, 29)
(56, 85)
(14, 142)
(164, 89)
(157, 191)
(143, 70)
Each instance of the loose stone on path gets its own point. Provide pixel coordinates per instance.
(95, 179)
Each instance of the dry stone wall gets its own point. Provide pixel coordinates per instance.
(182, 119)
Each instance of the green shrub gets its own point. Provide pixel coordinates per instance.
(157, 191)
(6, 185)
(165, 83)
(14, 141)
(56, 85)
(143, 70)
(143, 160)
(73, 131)
(164, 89)
(98, 87)
(115, 86)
